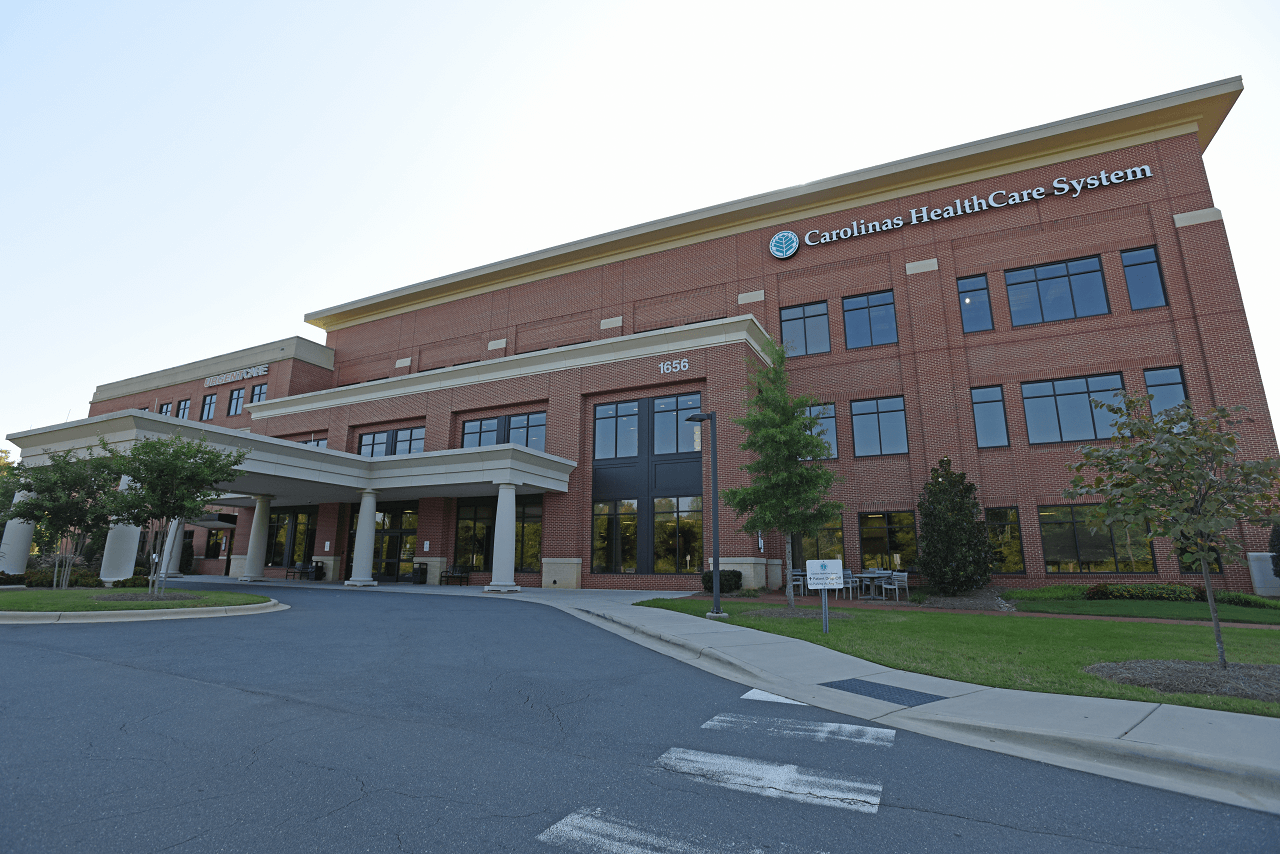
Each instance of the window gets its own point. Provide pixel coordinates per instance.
(888, 540)
(1142, 278)
(291, 538)
(315, 443)
(1060, 411)
(804, 329)
(672, 433)
(869, 320)
(236, 405)
(529, 533)
(1056, 291)
(988, 416)
(975, 303)
(473, 543)
(480, 433)
(166, 408)
(677, 534)
(613, 535)
(1166, 387)
(1006, 539)
(617, 430)
(259, 393)
(828, 544)
(530, 431)
(184, 409)
(208, 407)
(1069, 545)
(213, 545)
(879, 427)
(390, 443)
(826, 429)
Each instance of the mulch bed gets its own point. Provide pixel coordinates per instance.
(145, 597)
(1248, 681)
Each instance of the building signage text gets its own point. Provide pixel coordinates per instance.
(783, 244)
(243, 373)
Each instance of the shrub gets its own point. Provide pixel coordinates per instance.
(1055, 592)
(955, 547)
(38, 578)
(730, 580)
(132, 581)
(6, 578)
(1157, 592)
(44, 578)
(1244, 600)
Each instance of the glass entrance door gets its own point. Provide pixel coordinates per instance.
(395, 542)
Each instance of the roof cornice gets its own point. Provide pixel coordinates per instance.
(1200, 110)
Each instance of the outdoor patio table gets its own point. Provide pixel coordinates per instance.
(868, 579)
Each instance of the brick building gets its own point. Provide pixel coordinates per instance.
(527, 420)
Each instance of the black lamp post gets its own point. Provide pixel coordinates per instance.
(715, 511)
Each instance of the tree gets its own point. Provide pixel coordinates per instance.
(955, 548)
(170, 480)
(1177, 473)
(788, 488)
(68, 502)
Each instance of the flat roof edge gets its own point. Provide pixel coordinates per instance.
(1227, 89)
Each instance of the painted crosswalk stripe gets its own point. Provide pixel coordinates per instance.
(773, 780)
(811, 730)
(588, 830)
(757, 694)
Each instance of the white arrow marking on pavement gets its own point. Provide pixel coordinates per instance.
(757, 694)
(812, 730)
(586, 830)
(773, 780)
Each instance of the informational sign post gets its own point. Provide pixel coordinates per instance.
(824, 575)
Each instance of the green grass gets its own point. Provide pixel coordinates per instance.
(1024, 653)
(43, 599)
(1150, 608)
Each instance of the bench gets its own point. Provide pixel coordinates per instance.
(313, 572)
(462, 574)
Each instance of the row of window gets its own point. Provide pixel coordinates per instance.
(209, 406)
(1039, 294)
(617, 427)
(1056, 411)
(677, 535)
(528, 430)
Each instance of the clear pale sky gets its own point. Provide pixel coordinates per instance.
(181, 180)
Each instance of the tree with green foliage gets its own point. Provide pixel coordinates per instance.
(955, 549)
(1179, 475)
(169, 481)
(789, 485)
(68, 500)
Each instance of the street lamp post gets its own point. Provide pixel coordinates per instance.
(699, 417)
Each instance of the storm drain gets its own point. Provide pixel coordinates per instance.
(888, 693)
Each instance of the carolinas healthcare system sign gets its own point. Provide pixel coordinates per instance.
(784, 244)
(824, 574)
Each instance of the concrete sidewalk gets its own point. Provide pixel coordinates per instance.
(1222, 756)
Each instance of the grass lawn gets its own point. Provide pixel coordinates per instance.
(1149, 608)
(1023, 653)
(42, 599)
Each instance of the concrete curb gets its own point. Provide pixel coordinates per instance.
(45, 617)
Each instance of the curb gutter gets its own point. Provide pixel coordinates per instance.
(45, 617)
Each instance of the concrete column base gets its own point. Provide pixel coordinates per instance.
(252, 578)
(561, 573)
(502, 588)
(360, 582)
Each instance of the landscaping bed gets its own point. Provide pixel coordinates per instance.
(89, 599)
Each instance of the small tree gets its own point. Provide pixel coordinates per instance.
(170, 480)
(68, 502)
(1177, 474)
(789, 488)
(955, 548)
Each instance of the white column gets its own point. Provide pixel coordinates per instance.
(504, 543)
(16, 545)
(173, 549)
(256, 559)
(121, 552)
(362, 553)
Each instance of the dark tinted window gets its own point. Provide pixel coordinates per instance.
(480, 433)
(1070, 545)
(529, 430)
(208, 407)
(1061, 410)
(184, 409)
(259, 393)
(988, 416)
(804, 329)
(826, 415)
(672, 432)
(1166, 387)
(1142, 277)
(888, 540)
(617, 430)
(975, 303)
(1006, 539)
(869, 320)
(879, 427)
(236, 404)
(1056, 291)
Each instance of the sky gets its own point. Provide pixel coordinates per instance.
(182, 180)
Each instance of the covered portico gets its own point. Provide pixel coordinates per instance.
(281, 472)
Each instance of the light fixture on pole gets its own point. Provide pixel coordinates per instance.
(716, 613)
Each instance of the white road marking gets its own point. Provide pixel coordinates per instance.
(757, 694)
(589, 831)
(812, 730)
(773, 780)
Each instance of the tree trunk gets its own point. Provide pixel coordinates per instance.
(791, 593)
(1213, 611)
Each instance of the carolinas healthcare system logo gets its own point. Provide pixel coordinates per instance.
(784, 244)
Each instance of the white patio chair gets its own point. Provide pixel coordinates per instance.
(797, 582)
(849, 581)
(894, 581)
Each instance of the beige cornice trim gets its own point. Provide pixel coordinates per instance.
(302, 349)
(660, 342)
(1200, 110)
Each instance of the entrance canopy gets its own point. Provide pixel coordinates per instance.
(294, 473)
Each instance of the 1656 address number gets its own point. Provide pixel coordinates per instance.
(674, 366)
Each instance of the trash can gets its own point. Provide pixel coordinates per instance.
(419, 573)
